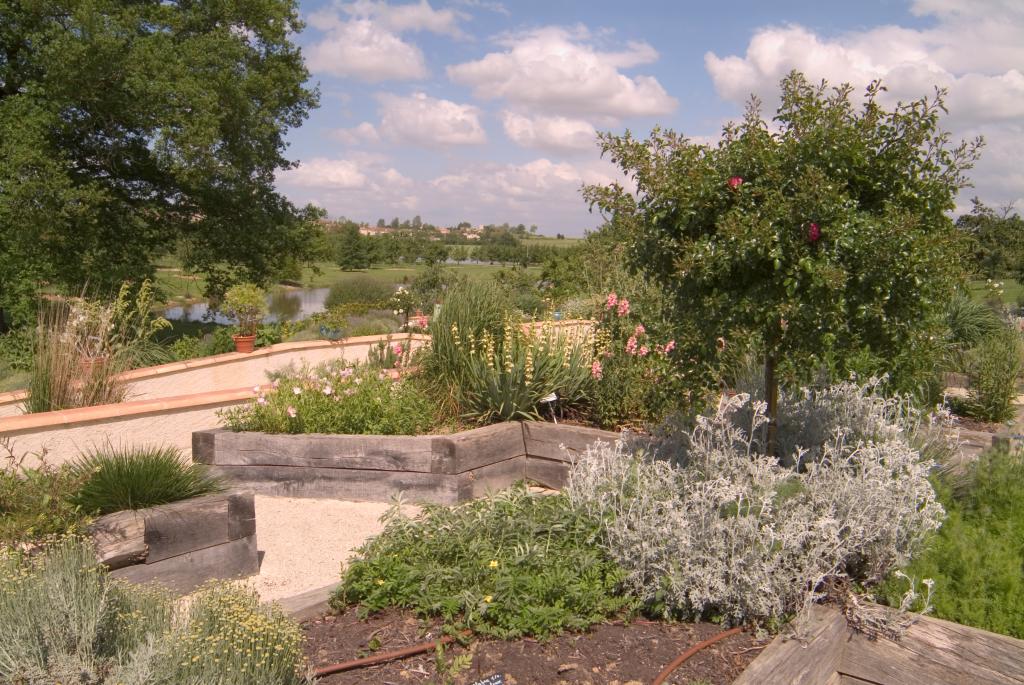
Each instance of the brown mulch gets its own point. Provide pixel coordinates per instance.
(970, 424)
(612, 653)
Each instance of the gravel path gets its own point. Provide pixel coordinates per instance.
(304, 541)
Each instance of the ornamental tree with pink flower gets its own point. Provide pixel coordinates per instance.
(819, 240)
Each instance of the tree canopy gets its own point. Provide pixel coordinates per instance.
(132, 129)
(821, 235)
(997, 240)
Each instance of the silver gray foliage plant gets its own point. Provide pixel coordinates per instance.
(727, 530)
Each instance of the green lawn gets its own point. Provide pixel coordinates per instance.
(552, 242)
(1013, 291)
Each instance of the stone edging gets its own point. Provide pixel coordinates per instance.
(433, 468)
(181, 545)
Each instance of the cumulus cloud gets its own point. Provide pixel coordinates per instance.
(362, 40)
(561, 71)
(422, 120)
(356, 135)
(972, 50)
(321, 172)
(559, 134)
(363, 50)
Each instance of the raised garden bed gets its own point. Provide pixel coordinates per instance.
(181, 545)
(609, 653)
(433, 468)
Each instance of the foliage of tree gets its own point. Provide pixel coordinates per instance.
(128, 130)
(351, 249)
(823, 237)
(997, 240)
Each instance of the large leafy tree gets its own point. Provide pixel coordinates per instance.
(997, 240)
(823, 236)
(128, 129)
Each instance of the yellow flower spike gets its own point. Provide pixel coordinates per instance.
(494, 563)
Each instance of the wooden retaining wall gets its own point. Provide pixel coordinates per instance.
(932, 652)
(181, 545)
(433, 468)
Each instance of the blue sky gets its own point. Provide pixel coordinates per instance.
(486, 111)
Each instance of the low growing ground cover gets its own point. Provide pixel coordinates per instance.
(63, 620)
(337, 398)
(701, 525)
(976, 559)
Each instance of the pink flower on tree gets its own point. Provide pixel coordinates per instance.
(397, 348)
(813, 233)
(612, 300)
(639, 330)
(735, 182)
(596, 371)
(292, 411)
(623, 308)
(643, 350)
(669, 346)
(631, 345)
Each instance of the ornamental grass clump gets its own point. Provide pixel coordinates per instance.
(336, 398)
(119, 478)
(727, 531)
(63, 619)
(508, 565)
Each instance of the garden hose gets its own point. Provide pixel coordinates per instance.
(384, 657)
(679, 660)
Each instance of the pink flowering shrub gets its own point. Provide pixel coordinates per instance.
(639, 380)
(335, 398)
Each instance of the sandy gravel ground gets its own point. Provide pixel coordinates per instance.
(304, 541)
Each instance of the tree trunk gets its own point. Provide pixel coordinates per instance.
(771, 397)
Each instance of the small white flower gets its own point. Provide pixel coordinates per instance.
(297, 390)
(328, 390)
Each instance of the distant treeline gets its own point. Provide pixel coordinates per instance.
(504, 244)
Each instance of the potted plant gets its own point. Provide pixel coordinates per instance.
(248, 304)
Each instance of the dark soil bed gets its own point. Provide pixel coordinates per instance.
(624, 654)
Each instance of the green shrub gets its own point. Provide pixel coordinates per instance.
(334, 398)
(363, 288)
(16, 349)
(508, 565)
(187, 347)
(64, 620)
(976, 559)
(119, 478)
(35, 502)
(993, 367)
(247, 303)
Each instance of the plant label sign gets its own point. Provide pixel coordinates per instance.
(495, 679)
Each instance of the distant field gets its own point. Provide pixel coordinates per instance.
(1012, 290)
(177, 287)
(552, 242)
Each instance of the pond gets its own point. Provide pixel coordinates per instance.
(283, 305)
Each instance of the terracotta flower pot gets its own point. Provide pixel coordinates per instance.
(92, 365)
(244, 343)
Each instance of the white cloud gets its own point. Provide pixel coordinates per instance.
(555, 133)
(357, 135)
(975, 51)
(320, 172)
(363, 50)
(560, 71)
(427, 121)
(411, 17)
(363, 40)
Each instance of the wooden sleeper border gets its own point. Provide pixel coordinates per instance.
(181, 545)
(445, 469)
